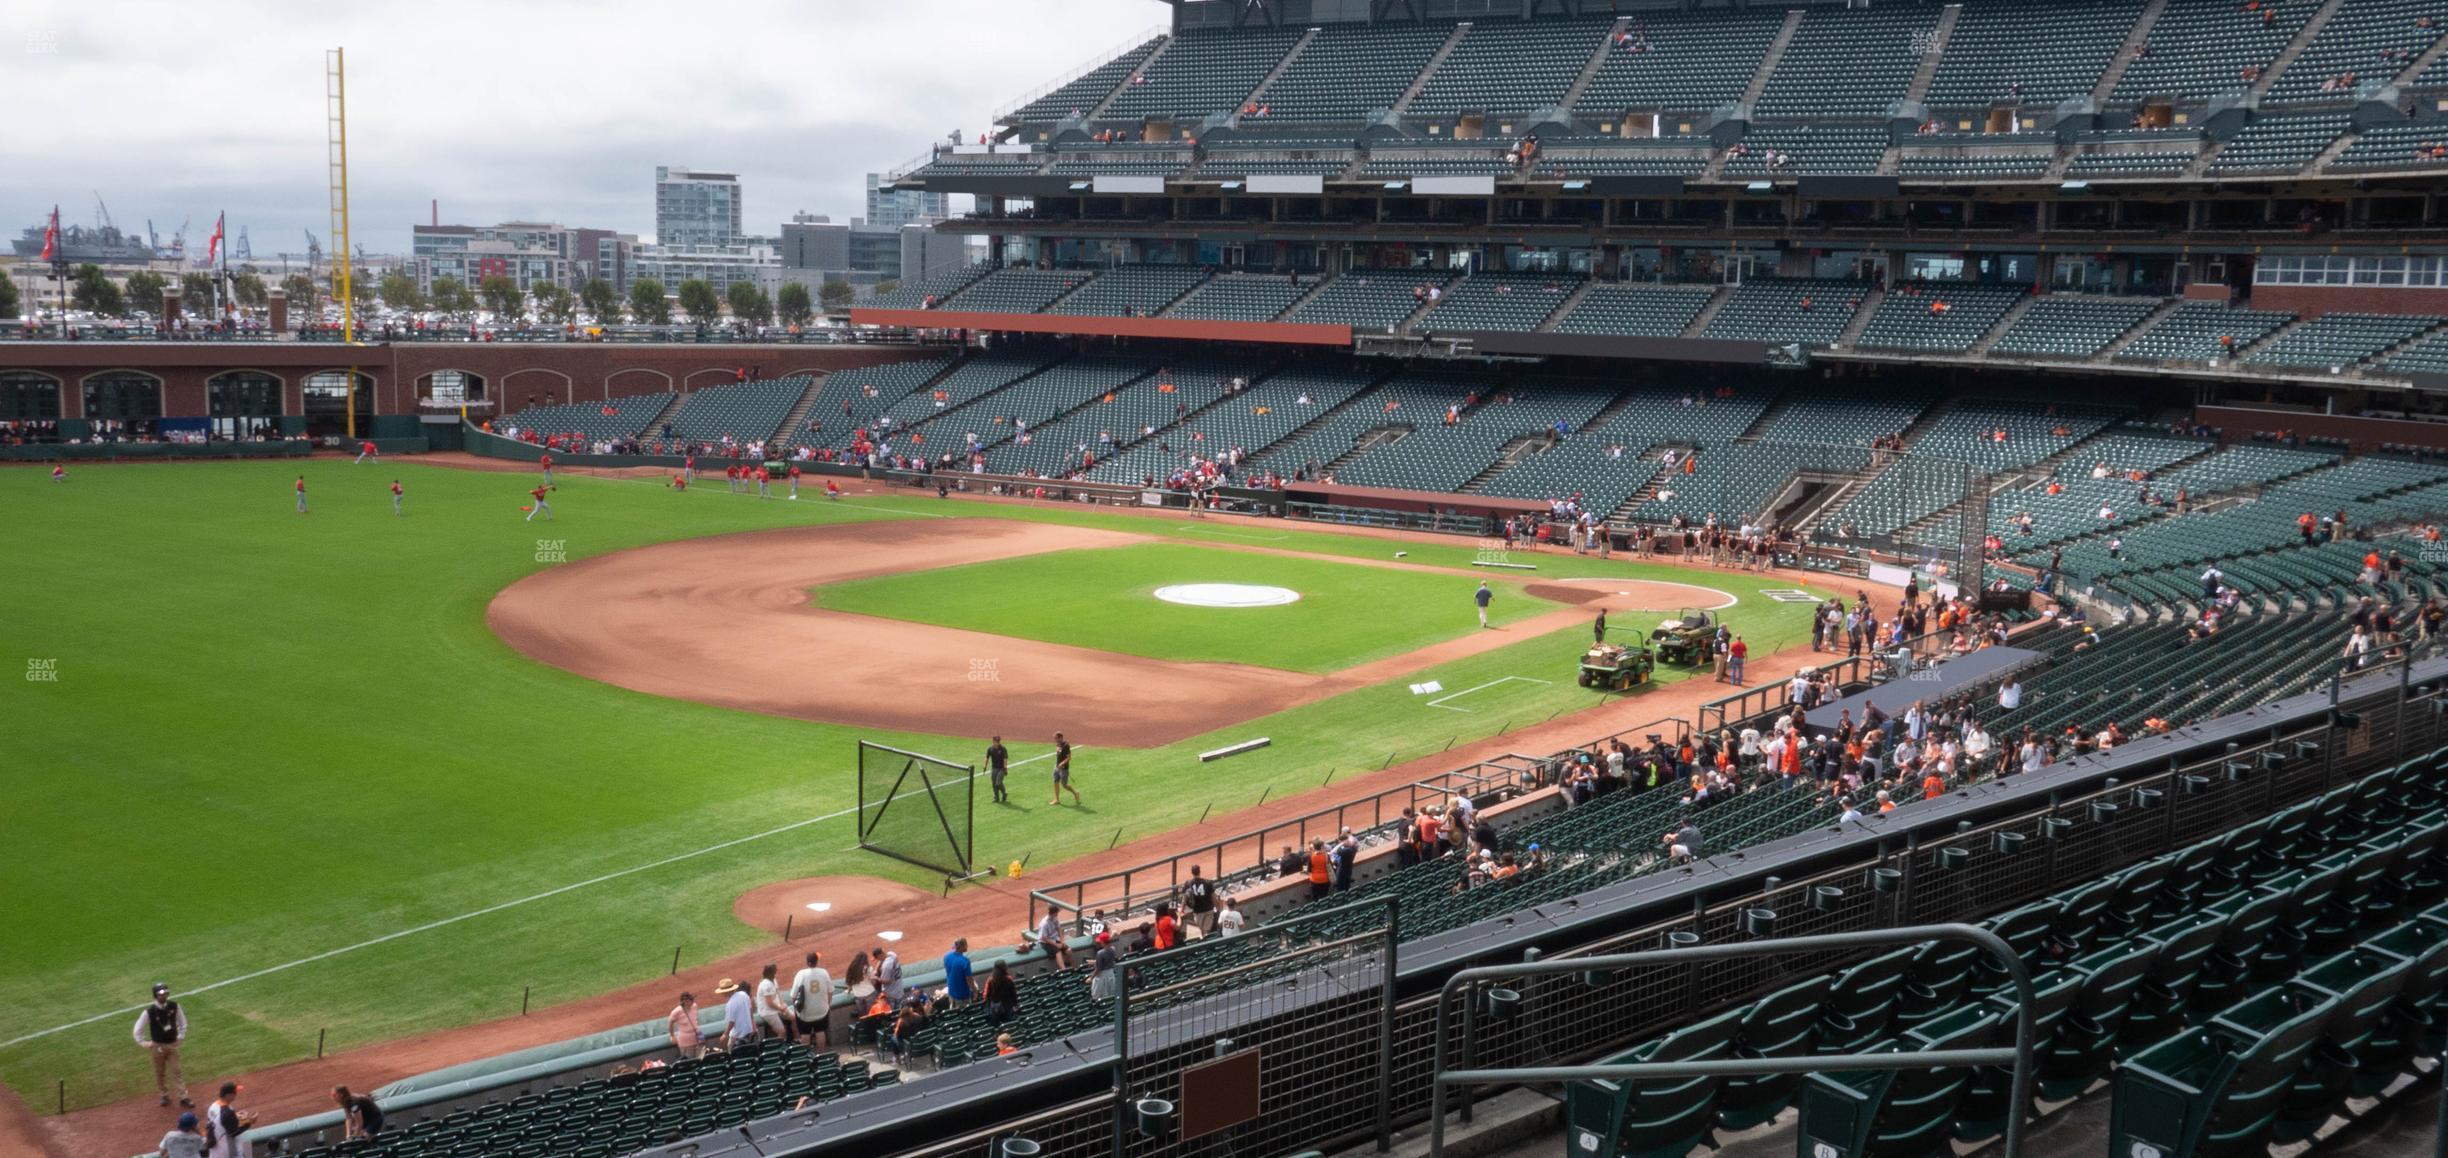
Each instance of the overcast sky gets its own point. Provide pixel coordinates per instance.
(552, 110)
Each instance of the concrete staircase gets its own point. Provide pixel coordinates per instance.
(2286, 56)
(1708, 313)
(1861, 317)
(2265, 341)
(671, 409)
(1294, 437)
(2139, 328)
(2134, 40)
(1597, 61)
(1571, 302)
(796, 420)
(2022, 305)
(2406, 75)
(1768, 62)
(1428, 73)
(1307, 295)
(1930, 54)
(1124, 86)
(1524, 447)
(2337, 146)
(2373, 363)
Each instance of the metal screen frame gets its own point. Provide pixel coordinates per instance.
(960, 833)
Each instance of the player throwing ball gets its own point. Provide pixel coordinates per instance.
(541, 507)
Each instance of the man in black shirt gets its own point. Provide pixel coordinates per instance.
(998, 762)
(1198, 899)
(360, 1117)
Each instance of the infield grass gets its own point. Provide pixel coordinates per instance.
(276, 739)
(1106, 599)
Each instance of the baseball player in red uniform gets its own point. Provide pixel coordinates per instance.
(396, 494)
(688, 468)
(541, 507)
(794, 479)
(301, 493)
(59, 473)
(764, 483)
(366, 450)
(731, 476)
(545, 461)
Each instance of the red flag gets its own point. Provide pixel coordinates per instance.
(51, 236)
(212, 248)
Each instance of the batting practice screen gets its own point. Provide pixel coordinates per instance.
(915, 807)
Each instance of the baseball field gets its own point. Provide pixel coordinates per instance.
(348, 776)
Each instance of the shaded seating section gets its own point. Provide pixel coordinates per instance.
(2177, 977)
(1511, 66)
(1436, 456)
(928, 292)
(2404, 145)
(2072, 325)
(1201, 74)
(1081, 95)
(2283, 144)
(587, 419)
(2016, 54)
(1135, 291)
(1017, 290)
(1499, 301)
(1369, 299)
(850, 400)
(2200, 49)
(1689, 63)
(1252, 420)
(748, 412)
(1809, 149)
(2025, 164)
(1607, 463)
(2367, 40)
(2130, 163)
(1241, 297)
(974, 379)
(1945, 316)
(2201, 332)
(1968, 432)
(2248, 465)
(1636, 310)
(1349, 72)
(1776, 310)
(2339, 339)
(625, 1113)
(1848, 63)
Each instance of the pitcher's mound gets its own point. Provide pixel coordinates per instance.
(854, 906)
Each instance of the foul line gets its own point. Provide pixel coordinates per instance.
(486, 911)
(1439, 702)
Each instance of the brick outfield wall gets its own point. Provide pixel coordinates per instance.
(573, 372)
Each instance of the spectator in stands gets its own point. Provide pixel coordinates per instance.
(1198, 900)
(1105, 978)
(906, 1025)
(1321, 879)
(811, 1002)
(1002, 995)
(887, 972)
(739, 1014)
(360, 1118)
(772, 1017)
(1291, 864)
(1683, 843)
(185, 1141)
(857, 981)
(1229, 921)
(225, 1125)
(959, 984)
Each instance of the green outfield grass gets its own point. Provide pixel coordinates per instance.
(276, 738)
(1105, 599)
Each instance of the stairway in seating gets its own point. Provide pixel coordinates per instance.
(1708, 313)
(1522, 447)
(1125, 83)
(2349, 137)
(1268, 81)
(1936, 48)
(1571, 302)
(2134, 40)
(2421, 62)
(1766, 418)
(654, 426)
(1317, 285)
(1429, 72)
(1606, 414)
(2014, 314)
(2373, 363)
(1861, 317)
(1597, 61)
(2303, 36)
(1292, 437)
(796, 420)
(2139, 328)
(1921, 423)
(1066, 295)
(1768, 61)
(2266, 340)
(1381, 436)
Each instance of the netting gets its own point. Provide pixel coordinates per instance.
(915, 807)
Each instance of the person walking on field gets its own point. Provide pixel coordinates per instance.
(396, 495)
(998, 758)
(1598, 630)
(541, 507)
(301, 494)
(162, 1029)
(1483, 597)
(1062, 771)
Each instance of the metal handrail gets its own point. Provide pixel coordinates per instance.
(2019, 1057)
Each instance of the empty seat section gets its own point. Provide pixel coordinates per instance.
(2365, 42)
(1081, 95)
(1607, 463)
(974, 379)
(2202, 48)
(850, 400)
(1164, 159)
(1998, 164)
(1510, 66)
(1254, 420)
(2072, 325)
(1201, 74)
(2200, 332)
(748, 412)
(629, 415)
(1081, 401)
(1017, 290)
(1349, 73)
(1968, 432)
(1440, 456)
(1243, 156)
(2277, 144)
(1241, 297)
(2339, 339)
(1848, 63)
(1812, 311)
(1369, 299)
(1693, 63)
(2428, 356)
(1498, 301)
(1660, 157)
(1133, 291)
(1945, 316)
(2405, 145)
(1636, 310)
(2130, 163)
(2017, 54)
(1806, 149)
(928, 292)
